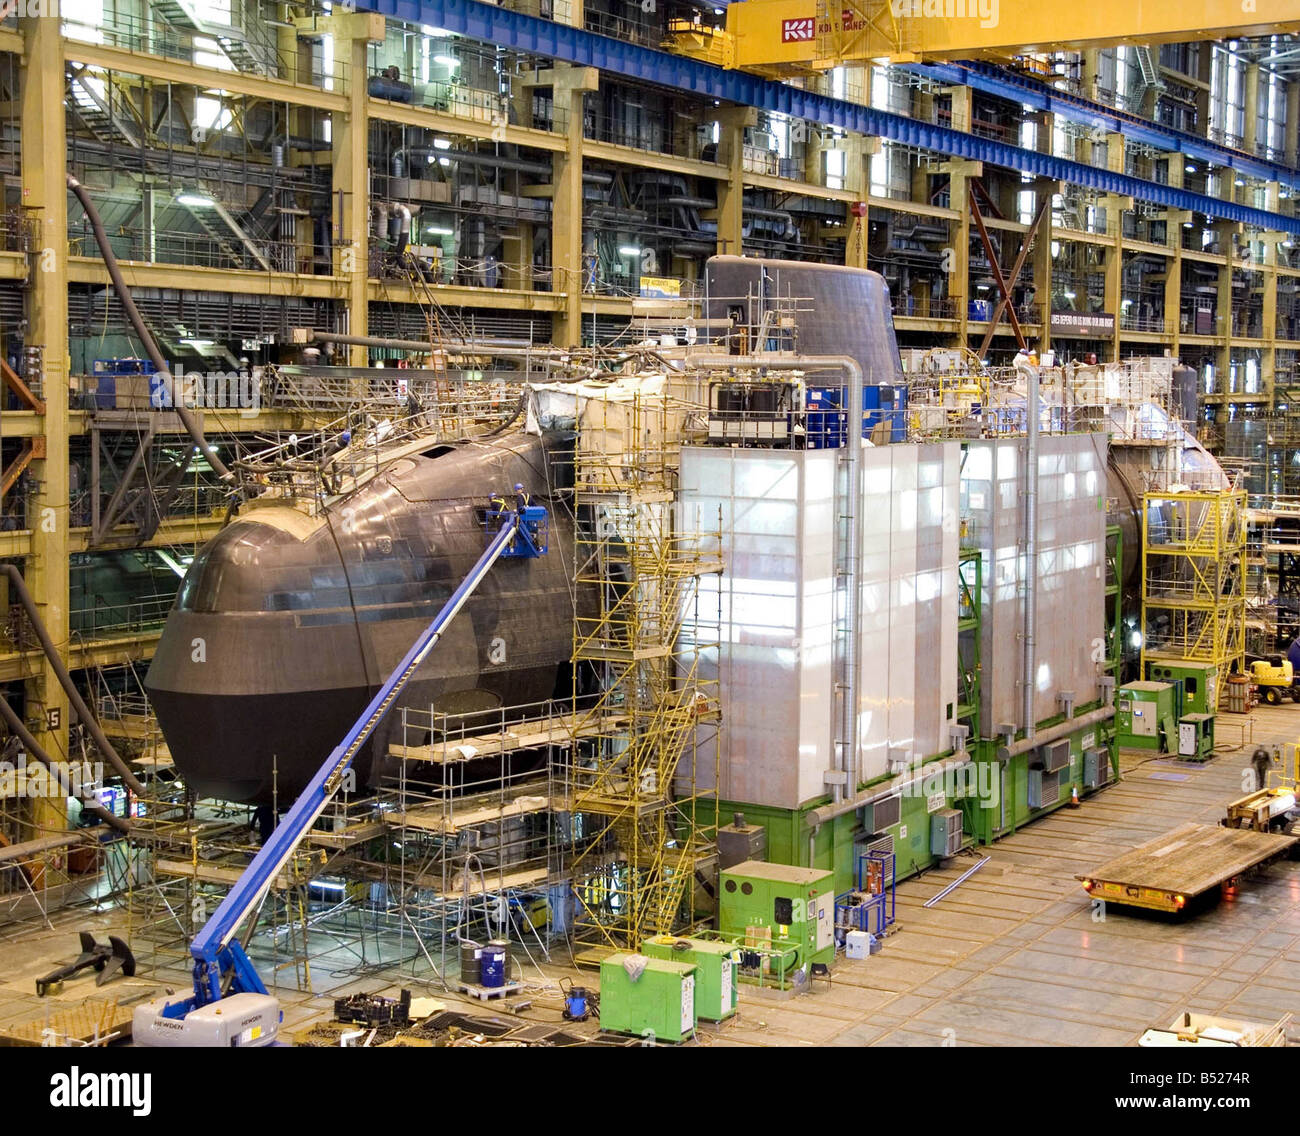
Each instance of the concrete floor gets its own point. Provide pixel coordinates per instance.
(1012, 957)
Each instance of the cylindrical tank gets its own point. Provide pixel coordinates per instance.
(1185, 384)
(492, 968)
(469, 961)
(383, 87)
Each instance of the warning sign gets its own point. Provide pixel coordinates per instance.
(797, 31)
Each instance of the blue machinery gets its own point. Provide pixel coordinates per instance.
(251, 1016)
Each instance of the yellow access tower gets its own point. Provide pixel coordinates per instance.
(640, 801)
(1193, 579)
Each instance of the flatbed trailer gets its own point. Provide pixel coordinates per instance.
(1167, 873)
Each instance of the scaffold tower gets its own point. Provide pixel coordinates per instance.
(639, 826)
(1193, 578)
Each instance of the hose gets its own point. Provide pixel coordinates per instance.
(69, 687)
(19, 728)
(142, 332)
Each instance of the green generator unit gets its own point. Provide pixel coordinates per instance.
(796, 905)
(1200, 682)
(1146, 716)
(1196, 737)
(659, 1005)
(716, 995)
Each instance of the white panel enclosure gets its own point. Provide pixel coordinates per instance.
(776, 676)
(1071, 570)
(777, 667)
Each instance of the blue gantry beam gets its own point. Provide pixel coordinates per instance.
(587, 49)
(1030, 92)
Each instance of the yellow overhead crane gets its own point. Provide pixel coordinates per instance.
(784, 37)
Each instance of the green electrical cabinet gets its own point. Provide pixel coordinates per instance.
(1146, 716)
(1200, 682)
(797, 906)
(716, 995)
(659, 1005)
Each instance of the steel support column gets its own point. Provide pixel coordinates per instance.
(568, 272)
(45, 196)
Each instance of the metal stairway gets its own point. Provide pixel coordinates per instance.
(95, 112)
(238, 45)
(1151, 80)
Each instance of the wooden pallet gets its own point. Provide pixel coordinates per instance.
(95, 1020)
(488, 993)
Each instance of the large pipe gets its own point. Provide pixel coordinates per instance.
(142, 332)
(19, 729)
(1031, 546)
(502, 347)
(848, 785)
(1055, 733)
(900, 784)
(69, 687)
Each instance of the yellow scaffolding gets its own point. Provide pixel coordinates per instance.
(642, 824)
(1193, 579)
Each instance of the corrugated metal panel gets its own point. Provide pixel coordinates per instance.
(214, 314)
(586, 49)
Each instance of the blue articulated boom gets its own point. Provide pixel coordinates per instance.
(215, 949)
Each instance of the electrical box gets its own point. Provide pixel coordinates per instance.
(1200, 682)
(1044, 788)
(882, 814)
(716, 995)
(794, 904)
(738, 842)
(1096, 768)
(1055, 755)
(1196, 736)
(1145, 715)
(659, 1005)
(945, 833)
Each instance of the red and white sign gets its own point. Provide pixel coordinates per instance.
(797, 31)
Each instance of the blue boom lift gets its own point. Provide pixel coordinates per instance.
(230, 1005)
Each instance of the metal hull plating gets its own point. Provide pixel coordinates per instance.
(286, 624)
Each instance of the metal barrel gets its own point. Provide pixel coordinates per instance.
(469, 961)
(492, 965)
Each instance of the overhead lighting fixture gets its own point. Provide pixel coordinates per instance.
(1239, 181)
(447, 61)
(629, 250)
(1187, 224)
(1191, 169)
(441, 144)
(434, 231)
(171, 562)
(1069, 295)
(199, 342)
(194, 200)
(435, 33)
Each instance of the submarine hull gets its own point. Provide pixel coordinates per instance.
(286, 624)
